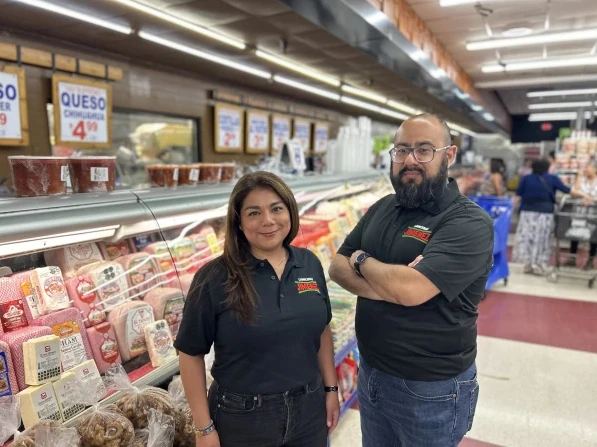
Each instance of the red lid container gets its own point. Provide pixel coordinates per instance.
(93, 174)
(39, 176)
(164, 175)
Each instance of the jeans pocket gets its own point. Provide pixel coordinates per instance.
(438, 391)
(315, 385)
(235, 403)
(473, 406)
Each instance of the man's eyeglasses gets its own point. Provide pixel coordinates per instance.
(423, 153)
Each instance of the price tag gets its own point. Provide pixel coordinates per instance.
(280, 131)
(175, 174)
(229, 122)
(12, 106)
(257, 131)
(64, 174)
(194, 175)
(99, 174)
(302, 131)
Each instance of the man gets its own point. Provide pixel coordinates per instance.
(419, 261)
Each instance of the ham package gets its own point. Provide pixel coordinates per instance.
(112, 251)
(104, 346)
(183, 251)
(129, 320)
(86, 303)
(185, 283)
(71, 259)
(163, 259)
(167, 304)
(8, 379)
(141, 273)
(12, 308)
(15, 341)
(74, 344)
(30, 300)
(111, 280)
(50, 289)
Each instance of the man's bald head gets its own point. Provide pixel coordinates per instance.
(434, 119)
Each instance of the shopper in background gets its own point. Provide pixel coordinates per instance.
(419, 261)
(264, 306)
(586, 183)
(494, 183)
(551, 158)
(537, 196)
(526, 168)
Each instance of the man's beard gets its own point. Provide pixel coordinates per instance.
(409, 194)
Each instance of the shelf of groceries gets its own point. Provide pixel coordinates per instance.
(92, 288)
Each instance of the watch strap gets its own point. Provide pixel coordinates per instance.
(331, 389)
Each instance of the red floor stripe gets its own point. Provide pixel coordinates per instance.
(467, 442)
(546, 321)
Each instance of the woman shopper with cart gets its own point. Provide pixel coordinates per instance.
(587, 183)
(537, 196)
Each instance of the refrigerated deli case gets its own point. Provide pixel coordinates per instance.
(106, 275)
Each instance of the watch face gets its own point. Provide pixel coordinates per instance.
(362, 257)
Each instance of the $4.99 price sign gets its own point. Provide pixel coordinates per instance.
(82, 112)
(13, 107)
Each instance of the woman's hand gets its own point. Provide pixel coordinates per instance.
(332, 407)
(211, 440)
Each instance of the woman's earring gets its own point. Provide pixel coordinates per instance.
(240, 228)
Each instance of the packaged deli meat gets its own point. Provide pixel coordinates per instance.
(167, 304)
(39, 176)
(186, 281)
(68, 325)
(70, 259)
(8, 379)
(42, 359)
(93, 174)
(128, 321)
(38, 403)
(159, 343)
(163, 259)
(141, 273)
(104, 346)
(12, 307)
(88, 304)
(15, 341)
(49, 287)
(110, 280)
(30, 300)
(111, 251)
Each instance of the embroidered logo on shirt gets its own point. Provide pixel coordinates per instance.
(418, 234)
(306, 285)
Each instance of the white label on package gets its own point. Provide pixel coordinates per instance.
(45, 405)
(64, 174)
(47, 359)
(10, 107)
(72, 349)
(175, 174)
(136, 321)
(194, 175)
(99, 175)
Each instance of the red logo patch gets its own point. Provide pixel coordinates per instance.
(415, 233)
(307, 286)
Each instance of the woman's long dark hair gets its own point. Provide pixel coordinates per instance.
(241, 296)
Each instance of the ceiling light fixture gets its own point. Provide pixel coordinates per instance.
(299, 68)
(52, 7)
(578, 92)
(204, 55)
(527, 82)
(405, 108)
(561, 105)
(461, 129)
(488, 116)
(361, 104)
(477, 107)
(539, 64)
(558, 116)
(393, 114)
(183, 23)
(364, 93)
(536, 39)
(517, 31)
(454, 133)
(307, 88)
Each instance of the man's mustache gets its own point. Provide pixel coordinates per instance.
(411, 169)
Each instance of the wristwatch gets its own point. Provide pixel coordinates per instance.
(204, 431)
(331, 389)
(359, 261)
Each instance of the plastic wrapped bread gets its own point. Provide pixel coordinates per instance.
(128, 321)
(167, 304)
(30, 300)
(12, 309)
(104, 346)
(141, 272)
(8, 379)
(15, 342)
(74, 343)
(110, 278)
(50, 289)
(70, 259)
(86, 303)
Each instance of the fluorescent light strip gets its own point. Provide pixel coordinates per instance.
(566, 116)
(538, 65)
(307, 88)
(561, 105)
(361, 104)
(477, 107)
(403, 107)
(393, 114)
(302, 69)
(183, 23)
(578, 92)
(364, 93)
(460, 129)
(537, 39)
(454, 133)
(52, 7)
(544, 80)
(204, 55)
(488, 116)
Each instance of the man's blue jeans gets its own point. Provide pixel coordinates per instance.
(406, 413)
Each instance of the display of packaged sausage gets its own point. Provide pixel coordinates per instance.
(159, 343)
(104, 346)
(183, 251)
(163, 260)
(140, 271)
(88, 304)
(30, 300)
(128, 321)
(50, 289)
(39, 176)
(163, 175)
(70, 259)
(15, 341)
(110, 281)
(112, 251)
(93, 174)
(228, 172)
(167, 304)
(74, 343)
(12, 307)
(8, 379)
(188, 174)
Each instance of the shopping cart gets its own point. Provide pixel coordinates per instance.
(573, 221)
(500, 210)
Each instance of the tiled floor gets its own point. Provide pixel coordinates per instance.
(537, 366)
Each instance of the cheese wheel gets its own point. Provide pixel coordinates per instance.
(8, 379)
(128, 321)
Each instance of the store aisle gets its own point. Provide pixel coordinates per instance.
(537, 363)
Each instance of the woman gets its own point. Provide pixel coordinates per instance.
(587, 183)
(536, 193)
(264, 306)
(494, 183)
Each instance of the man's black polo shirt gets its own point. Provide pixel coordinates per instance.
(438, 339)
(278, 353)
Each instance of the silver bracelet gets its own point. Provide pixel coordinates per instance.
(204, 431)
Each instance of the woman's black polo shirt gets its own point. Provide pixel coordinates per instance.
(438, 339)
(279, 353)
